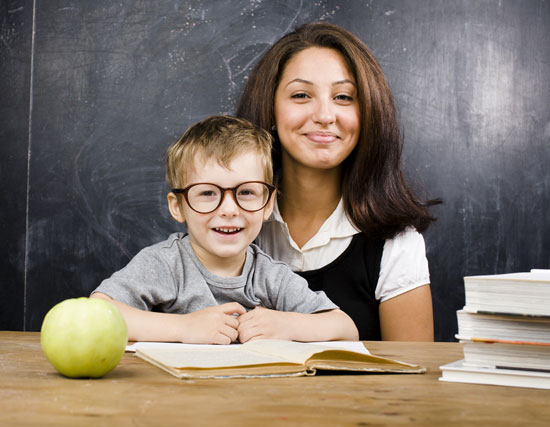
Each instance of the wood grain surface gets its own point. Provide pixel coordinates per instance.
(136, 393)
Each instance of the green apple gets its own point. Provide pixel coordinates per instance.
(84, 337)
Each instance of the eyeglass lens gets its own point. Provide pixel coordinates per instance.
(250, 196)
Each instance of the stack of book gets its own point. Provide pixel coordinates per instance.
(504, 329)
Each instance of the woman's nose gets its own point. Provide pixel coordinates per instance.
(324, 112)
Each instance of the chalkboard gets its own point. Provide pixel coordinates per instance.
(15, 47)
(93, 92)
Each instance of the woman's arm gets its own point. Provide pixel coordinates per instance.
(213, 325)
(329, 325)
(408, 317)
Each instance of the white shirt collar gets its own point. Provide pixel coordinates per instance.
(337, 225)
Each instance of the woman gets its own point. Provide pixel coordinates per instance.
(345, 218)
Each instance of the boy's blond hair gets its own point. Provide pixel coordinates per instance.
(220, 138)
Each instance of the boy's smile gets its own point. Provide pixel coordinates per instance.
(227, 230)
(220, 238)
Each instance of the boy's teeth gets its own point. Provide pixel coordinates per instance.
(227, 230)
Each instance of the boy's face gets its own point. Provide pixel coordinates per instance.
(220, 238)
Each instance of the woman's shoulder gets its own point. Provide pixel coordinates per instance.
(404, 265)
(405, 251)
(408, 240)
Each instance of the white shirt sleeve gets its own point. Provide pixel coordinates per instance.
(404, 265)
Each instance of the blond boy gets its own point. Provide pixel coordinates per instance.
(211, 284)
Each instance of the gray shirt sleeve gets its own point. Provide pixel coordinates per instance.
(281, 289)
(295, 295)
(144, 283)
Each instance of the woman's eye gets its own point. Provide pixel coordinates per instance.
(299, 96)
(344, 97)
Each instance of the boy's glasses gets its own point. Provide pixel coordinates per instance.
(250, 196)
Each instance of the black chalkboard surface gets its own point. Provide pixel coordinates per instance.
(93, 92)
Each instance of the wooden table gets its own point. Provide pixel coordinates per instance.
(139, 394)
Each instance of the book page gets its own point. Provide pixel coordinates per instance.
(140, 345)
(208, 356)
(299, 352)
(355, 346)
(535, 275)
(258, 352)
(545, 273)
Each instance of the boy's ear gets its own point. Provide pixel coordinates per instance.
(175, 208)
(268, 210)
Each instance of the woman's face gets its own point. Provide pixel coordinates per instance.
(316, 109)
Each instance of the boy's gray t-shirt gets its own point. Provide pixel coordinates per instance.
(169, 278)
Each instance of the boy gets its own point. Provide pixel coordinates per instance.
(204, 281)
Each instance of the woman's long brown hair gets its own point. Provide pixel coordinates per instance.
(377, 198)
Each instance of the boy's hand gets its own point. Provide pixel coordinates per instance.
(212, 325)
(263, 323)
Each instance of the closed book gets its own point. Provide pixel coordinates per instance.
(525, 293)
(509, 327)
(461, 372)
(507, 354)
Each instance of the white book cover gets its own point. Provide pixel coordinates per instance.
(460, 372)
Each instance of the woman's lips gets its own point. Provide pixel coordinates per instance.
(321, 137)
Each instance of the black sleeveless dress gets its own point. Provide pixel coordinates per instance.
(350, 282)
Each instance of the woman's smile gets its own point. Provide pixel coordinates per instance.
(321, 137)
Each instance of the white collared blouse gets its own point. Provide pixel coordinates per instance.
(404, 265)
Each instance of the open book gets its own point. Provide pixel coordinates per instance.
(268, 358)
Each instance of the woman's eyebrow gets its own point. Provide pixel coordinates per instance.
(343, 82)
(307, 82)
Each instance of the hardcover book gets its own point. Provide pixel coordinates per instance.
(507, 354)
(511, 327)
(463, 373)
(525, 293)
(513, 340)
